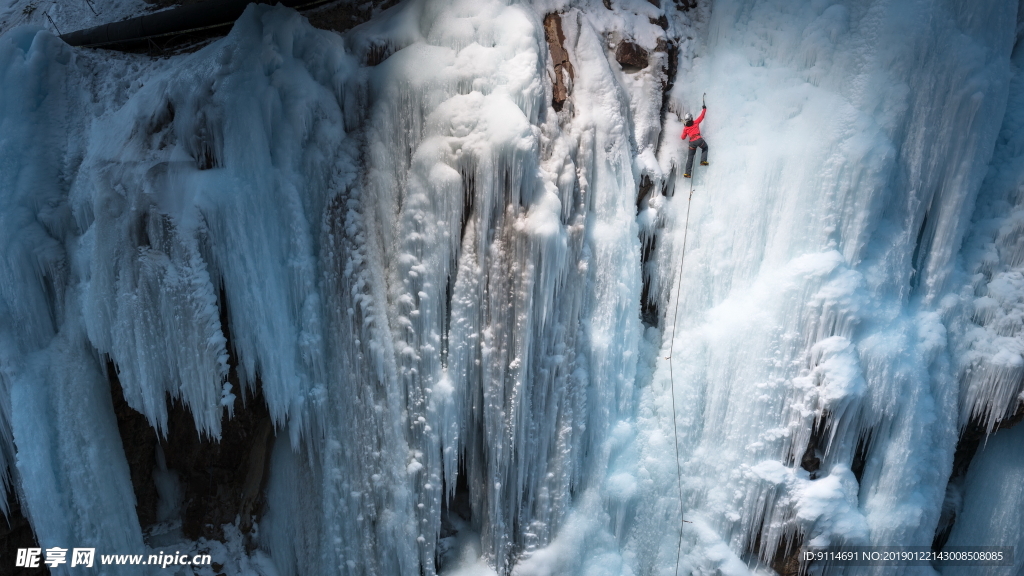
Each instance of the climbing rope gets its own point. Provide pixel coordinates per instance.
(672, 380)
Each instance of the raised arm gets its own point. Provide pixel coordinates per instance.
(701, 117)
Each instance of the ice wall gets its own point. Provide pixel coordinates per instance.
(502, 257)
(848, 144)
(435, 280)
(990, 354)
(424, 270)
(61, 443)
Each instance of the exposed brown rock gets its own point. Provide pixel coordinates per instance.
(815, 450)
(786, 561)
(345, 14)
(632, 57)
(560, 59)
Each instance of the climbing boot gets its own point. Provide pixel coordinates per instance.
(703, 163)
(687, 175)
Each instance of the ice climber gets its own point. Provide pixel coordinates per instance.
(692, 132)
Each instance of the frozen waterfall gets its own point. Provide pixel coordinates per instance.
(411, 298)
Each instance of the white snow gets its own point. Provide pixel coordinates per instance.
(429, 273)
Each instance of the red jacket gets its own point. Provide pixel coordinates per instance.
(693, 130)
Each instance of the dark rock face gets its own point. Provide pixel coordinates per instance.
(218, 481)
(15, 532)
(342, 15)
(786, 561)
(337, 15)
(816, 445)
(631, 57)
(560, 59)
(223, 480)
(785, 558)
(139, 442)
(168, 3)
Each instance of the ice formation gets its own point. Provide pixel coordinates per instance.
(436, 280)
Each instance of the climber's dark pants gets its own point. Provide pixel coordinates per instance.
(694, 144)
